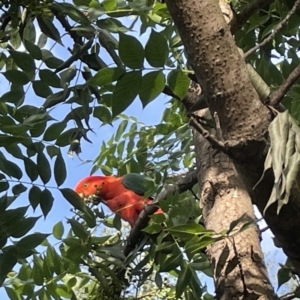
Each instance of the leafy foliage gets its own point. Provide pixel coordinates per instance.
(107, 68)
(283, 157)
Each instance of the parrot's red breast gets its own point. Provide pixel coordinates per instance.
(121, 200)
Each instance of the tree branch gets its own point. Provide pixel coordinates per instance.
(276, 30)
(211, 138)
(241, 18)
(275, 98)
(183, 184)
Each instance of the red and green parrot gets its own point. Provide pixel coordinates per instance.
(123, 195)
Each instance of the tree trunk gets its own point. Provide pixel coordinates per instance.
(242, 274)
(244, 120)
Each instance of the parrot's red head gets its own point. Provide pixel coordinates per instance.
(92, 186)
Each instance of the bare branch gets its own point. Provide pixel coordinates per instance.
(264, 229)
(275, 98)
(66, 25)
(212, 139)
(246, 13)
(183, 184)
(276, 30)
(288, 296)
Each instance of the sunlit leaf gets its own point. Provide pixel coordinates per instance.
(106, 76)
(179, 82)
(131, 51)
(58, 230)
(126, 89)
(153, 84)
(156, 49)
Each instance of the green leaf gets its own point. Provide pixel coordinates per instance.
(16, 76)
(4, 185)
(71, 11)
(126, 89)
(121, 130)
(109, 5)
(19, 189)
(9, 167)
(82, 2)
(78, 229)
(37, 271)
(117, 222)
(8, 259)
(106, 76)
(52, 150)
(54, 131)
(42, 40)
(14, 149)
(112, 25)
(179, 82)
(58, 230)
(244, 217)
(153, 228)
(12, 293)
(46, 202)
(184, 279)
(49, 78)
(283, 276)
(30, 168)
(29, 33)
(171, 263)
(14, 96)
(41, 88)
(67, 75)
(34, 196)
(60, 171)
(131, 51)
(56, 98)
(103, 114)
(33, 50)
(30, 241)
(153, 84)
(73, 198)
(50, 60)
(43, 167)
(24, 226)
(190, 228)
(48, 28)
(54, 259)
(156, 49)
(66, 137)
(23, 60)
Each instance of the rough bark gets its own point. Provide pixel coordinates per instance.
(224, 198)
(222, 75)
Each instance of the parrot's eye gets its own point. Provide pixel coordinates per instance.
(85, 185)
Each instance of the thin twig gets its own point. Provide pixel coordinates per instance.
(275, 31)
(287, 296)
(264, 229)
(275, 98)
(212, 139)
(183, 184)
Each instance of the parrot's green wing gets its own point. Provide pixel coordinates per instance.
(140, 184)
